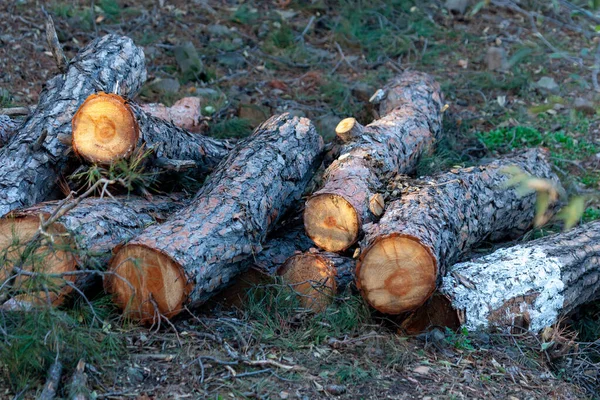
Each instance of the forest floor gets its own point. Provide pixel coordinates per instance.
(512, 75)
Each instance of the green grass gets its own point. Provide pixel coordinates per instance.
(231, 128)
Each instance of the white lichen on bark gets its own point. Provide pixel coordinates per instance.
(525, 275)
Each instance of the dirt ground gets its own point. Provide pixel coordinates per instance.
(502, 65)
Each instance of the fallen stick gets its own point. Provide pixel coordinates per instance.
(34, 159)
(52, 382)
(436, 222)
(529, 286)
(197, 251)
(82, 238)
(371, 156)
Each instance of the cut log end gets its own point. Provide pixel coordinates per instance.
(312, 277)
(146, 284)
(331, 222)
(104, 129)
(396, 274)
(348, 129)
(54, 258)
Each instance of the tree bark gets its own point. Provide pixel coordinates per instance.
(197, 251)
(528, 286)
(85, 236)
(412, 122)
(7, 129)
(35, 157)
(436, 222)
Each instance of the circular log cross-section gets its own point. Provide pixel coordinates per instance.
(53, 256)
(104, 128)
(437, 220)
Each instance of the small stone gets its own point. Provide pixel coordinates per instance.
(495, 58)
(167, 85)
(584, 105)
(422, 370)
(232, 60)
(547, 84)
(135, 375)
(277, 92)
(218, 30)
(457, 6)
(284, 395)
(335, 390)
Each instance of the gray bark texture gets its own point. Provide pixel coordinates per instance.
(172, 143)
(410, 126)
(35, 158)
(7, 129)
(452, 212)
(243, 199)
(528, 286)
(278, 249)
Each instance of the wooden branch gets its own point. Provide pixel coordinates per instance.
(437, 221)
(335, 214)
(52, 382)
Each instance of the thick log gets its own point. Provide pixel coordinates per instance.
(410, 126)
(528, 286)
(7, 128)
(439, 220)
(85, 237)
(107, 128)
(197, 251)
(317, 277)
(36, 157)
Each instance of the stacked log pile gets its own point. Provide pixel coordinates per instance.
(159, 256)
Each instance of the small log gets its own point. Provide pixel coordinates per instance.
(85, 236)
(78, 389)
(197, 251)
(435, 223)
(34, 159)
(7, 129)
(317, 277)
(107, 128)
(412, 122)
(52, 382)
(529, 286)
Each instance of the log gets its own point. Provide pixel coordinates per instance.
(317, 277)
(36, 157)
(437, 221)
(52, 381)
(412, 123)
(85, 237)
(528, 286)
(197, 251)
(107, 128)
(7, 128)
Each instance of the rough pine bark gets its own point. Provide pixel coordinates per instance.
(35, 157)
(436, 222)
(7, 129)
(88, 233)
(411, 124)
(528, 286)
(197, 251)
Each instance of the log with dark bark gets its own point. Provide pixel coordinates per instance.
(52, 381)
(85, 237)
(410, 126)
(317, 276)
(197, 251)
(528, 286)
(7, 128)
(433, 224)
(36, 157)
(107, 128)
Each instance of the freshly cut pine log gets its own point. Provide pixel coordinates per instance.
(7, 129)
(107, 128)
(437, 221)
(34, 159)
(85, 236)
(529, 286)
(317, 277)
(410, 126)
(197, 251)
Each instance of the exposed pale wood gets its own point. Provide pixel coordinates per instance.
(410, 126)
(437, 220)
(349, 129)
(199, 249)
